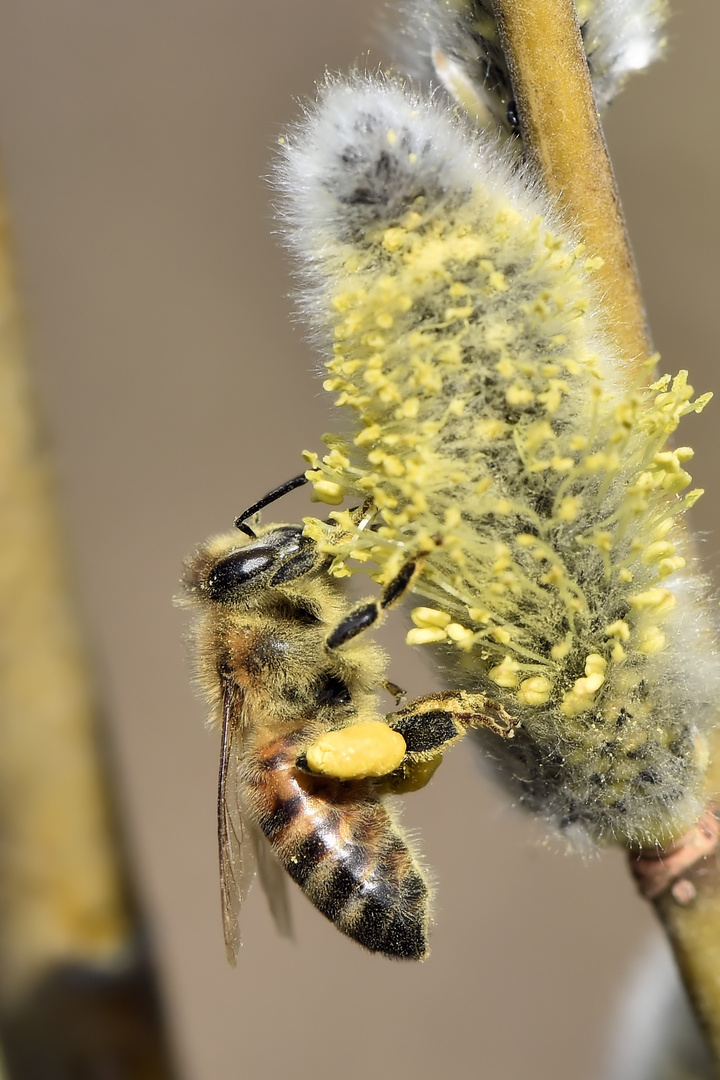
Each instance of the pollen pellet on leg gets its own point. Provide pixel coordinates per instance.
(367, 749)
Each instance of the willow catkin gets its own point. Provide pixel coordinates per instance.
(489, 426)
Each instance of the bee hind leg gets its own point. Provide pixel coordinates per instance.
(407, 746)
(431, 725)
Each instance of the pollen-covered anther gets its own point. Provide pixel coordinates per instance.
(534, 691)
(426, 635)
(661, 549)
(426, 616)
(408, 410)
(394, 238)
(618, 629)
(561, 649)
(458, 312)
(669, 566)
(327, 491)
(569, 508)
(336, 460)
(504, 674)
(674, 482)
(552, 398)
(518, 395)
(650, 640)
(553, 576)
(462, 637)
(359, 555)
(659, 601)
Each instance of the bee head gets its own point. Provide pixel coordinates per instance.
(228, 567)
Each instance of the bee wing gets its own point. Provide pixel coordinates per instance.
(235, 842)
(274, 882)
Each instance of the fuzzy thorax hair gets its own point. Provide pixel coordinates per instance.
(489, 424)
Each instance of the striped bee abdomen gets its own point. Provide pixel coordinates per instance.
(342, 847)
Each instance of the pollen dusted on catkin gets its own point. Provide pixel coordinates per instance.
(490, 428)
(455, 43)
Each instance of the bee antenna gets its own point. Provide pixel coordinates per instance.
(271, 497)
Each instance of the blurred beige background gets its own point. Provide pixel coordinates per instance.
(176, 391)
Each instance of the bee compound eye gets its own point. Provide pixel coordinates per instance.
(238, 569)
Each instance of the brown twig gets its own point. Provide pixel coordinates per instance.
(77, 993)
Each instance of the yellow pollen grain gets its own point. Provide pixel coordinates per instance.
(618, 629)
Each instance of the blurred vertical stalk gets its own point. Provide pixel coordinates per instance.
(564, 142)
(78, 996)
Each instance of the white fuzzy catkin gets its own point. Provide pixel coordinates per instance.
(455, 44)
(489, 426)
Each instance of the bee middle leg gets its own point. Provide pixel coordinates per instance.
(371, 611)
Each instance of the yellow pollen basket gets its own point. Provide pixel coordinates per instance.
(363, 750)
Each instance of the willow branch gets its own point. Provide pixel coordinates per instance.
(65, 904)
(563, 140)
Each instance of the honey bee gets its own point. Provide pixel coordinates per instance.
(307, 761)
